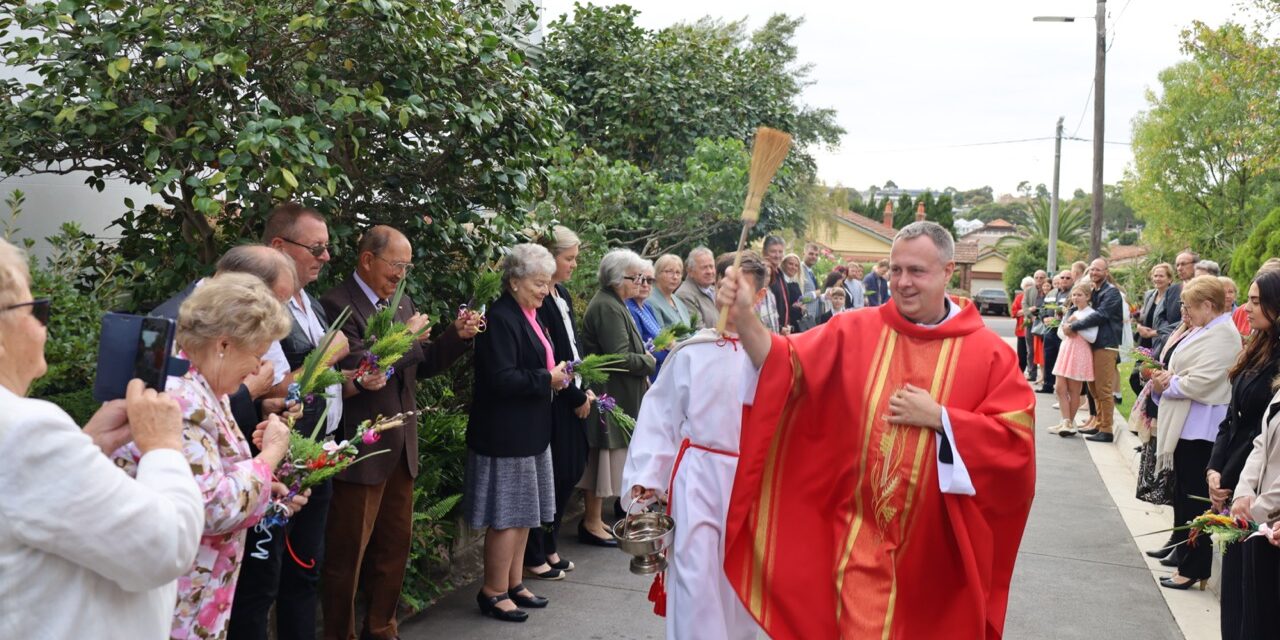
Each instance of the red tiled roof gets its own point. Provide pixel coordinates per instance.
(874, 226)
(1000, 222)
(966, 252)
(1128, 252)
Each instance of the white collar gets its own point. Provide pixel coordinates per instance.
(368, 291)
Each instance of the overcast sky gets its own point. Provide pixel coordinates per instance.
(913, 78)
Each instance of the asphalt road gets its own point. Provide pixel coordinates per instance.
(1002, 325)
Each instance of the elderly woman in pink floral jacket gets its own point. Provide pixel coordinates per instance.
(224, 329)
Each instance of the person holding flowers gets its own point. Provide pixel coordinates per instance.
(608, 329)
(223, 330)
(1193, 394)
(568, 411)
(1251, 379)
(368, 533)
(1074, 365)
(509, 479)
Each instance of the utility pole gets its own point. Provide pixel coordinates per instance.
(1053, 204)
(1099, 85)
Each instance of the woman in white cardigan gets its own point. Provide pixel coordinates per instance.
(85, 550)
(1193, 395)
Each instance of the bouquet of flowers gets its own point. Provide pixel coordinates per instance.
(1053, 322)
(317, 374)
(386, 340)
(310, 462)
(595, 368)
(1146, 358)
(669, 336)
(608, 406)
(1222, 528)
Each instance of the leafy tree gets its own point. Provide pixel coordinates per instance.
(976, 197)
(374, 111)
(1262, 243)
(1073, 224)
(1024, 259)
(1011, 212)
(1209, 142)
(889, 184)
(1127, 238)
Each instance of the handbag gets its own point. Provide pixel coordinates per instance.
(1155, 488)
(1039, 328)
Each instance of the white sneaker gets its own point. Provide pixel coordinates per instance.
(1057, 427)
(1056, 405)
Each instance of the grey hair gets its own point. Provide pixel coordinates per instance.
(235, 305)
(697, 251)
(14, 274)
(940, 236)
(259, 260)
(1210, 267)
(526, 260)
(1027, 282)
(615, 264)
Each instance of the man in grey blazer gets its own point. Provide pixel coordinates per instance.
(698, 291)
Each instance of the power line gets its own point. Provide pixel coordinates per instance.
(990, 143)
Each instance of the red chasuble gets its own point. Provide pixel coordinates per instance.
(837, 527)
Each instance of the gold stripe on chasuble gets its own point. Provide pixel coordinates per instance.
(763, 550)
(940, 390)
(880, 360)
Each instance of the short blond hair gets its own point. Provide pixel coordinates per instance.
(14, 276)
(1083, 286)
(1205, 289)
(668, 260)
(237, 306)
(1228, 283)
(1166, 268)
(837, 291)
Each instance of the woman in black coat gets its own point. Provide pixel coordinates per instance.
(571, 406)
(1251, 381)
(509, 478)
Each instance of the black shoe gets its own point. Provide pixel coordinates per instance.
(1161, 553)
(1101, 436)
(1048, 390)
(1170, 561)
(1087, 432)
(550, 574)
(533, 602)
(563, 565)
(586, 537)
(489, 607)
(1168, 583)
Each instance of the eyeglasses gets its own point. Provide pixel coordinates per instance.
(39, 309)
(640, 279)
(398, 266)
(316, 250)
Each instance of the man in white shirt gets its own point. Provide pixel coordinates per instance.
(85, 550)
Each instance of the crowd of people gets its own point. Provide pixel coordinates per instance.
(1205, 379)
(155, 513)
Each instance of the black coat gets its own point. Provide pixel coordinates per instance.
(549, 316)
(1250, 396)
(1109, 318)
(511, 404)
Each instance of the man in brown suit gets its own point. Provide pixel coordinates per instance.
(367, 538)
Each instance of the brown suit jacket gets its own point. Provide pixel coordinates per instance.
(422, 361)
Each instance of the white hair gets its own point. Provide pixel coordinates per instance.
(615, 265)
(526, 260)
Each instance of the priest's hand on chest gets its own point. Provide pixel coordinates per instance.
(913, 406)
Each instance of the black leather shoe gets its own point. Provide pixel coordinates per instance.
(1048, 390)
(1101, 437)
(563, 565)
(1087, 432)
(489, 607)
(586, 537)
(1161, 553)
(1170, 561)
(533, 602)
(1169, 583)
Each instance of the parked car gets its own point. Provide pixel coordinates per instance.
(992, 301)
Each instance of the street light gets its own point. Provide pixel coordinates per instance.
(1099, 86)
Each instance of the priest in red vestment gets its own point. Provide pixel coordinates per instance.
(887, 464)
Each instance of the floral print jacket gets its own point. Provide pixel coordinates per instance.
(236, 489)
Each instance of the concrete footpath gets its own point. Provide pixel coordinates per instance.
(1080, 573)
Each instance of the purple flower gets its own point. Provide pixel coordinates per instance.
(390, 372)
(607, 403)
(370, 437)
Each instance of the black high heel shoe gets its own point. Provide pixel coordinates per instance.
(586, 537)
(533, 602)
(1161, 553)
(1168, 583)
(489, 607)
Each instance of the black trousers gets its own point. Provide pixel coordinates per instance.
(568, 461)
(1190, 459)
(271, 574)
(1022, 353)
(1052, 343)
(1250, 590)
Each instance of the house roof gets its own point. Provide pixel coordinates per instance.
(966, 252)
(1000, 222)
(1122, 252)
(874, 227)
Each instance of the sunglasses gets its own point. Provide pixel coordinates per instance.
(316, 250)
(39, 309)
(641, 279)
